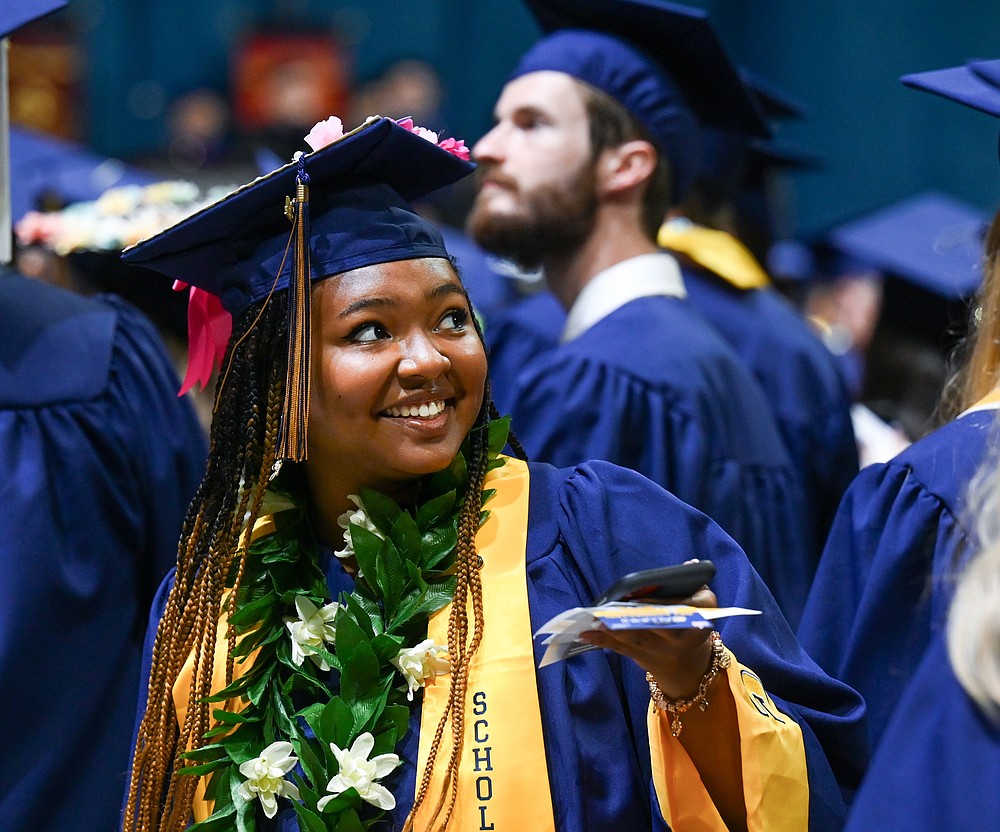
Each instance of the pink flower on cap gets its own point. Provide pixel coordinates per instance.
(456, 147)
(325, 132)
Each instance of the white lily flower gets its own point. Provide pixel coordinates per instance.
(265, 777)
(420, 665)
(313, 629)
(359, 517)
(358, 772)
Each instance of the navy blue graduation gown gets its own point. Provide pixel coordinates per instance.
(652, 387)
(800, 378)
(938, 765)
(586, 527)
(884, 582)
(518, 336)
(100, 460)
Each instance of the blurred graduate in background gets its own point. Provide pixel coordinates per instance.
(885, 581)
(638, 376)
(100, 458)
(727, 284)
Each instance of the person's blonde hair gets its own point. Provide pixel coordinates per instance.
(979, 372)
(974, 617)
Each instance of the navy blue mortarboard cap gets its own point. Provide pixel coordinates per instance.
(930, 240)
(975, 84)
(662, 62)
(731, 162)
(359, 213)
(17, 13)
(730, 158)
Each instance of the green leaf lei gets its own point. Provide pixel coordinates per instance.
(405, 576)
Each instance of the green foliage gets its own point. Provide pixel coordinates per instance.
(405, 575)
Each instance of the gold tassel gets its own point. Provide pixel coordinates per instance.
(295, 415)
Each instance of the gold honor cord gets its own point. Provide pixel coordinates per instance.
(503, 782)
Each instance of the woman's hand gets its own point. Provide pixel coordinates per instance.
(678, 659)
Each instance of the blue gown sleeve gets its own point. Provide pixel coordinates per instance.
(603, 522)
(880, 591)
(102, 460)
(938, 764)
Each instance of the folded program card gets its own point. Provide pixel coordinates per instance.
(563, 632)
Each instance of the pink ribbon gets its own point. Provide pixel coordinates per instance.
(209, 329)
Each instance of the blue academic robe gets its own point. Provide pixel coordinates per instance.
(654, 388)
(800, 378)
(100, 460)
(518, 336)
(882, 589)
(586, 527)
(938, 765)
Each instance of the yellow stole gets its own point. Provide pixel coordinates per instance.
(718, 251)
(775, 775)
(503, 782)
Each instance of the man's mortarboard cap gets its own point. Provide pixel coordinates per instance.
(360, 187)
(17, 13)
(660, 61)
(931, 240)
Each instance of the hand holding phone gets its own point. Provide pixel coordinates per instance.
(680, 581)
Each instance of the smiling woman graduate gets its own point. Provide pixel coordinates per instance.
(346, 641)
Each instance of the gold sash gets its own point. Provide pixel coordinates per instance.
(718, 251)
(503, 782)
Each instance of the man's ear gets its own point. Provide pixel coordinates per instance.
(626, 166)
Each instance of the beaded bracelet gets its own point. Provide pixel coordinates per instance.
(677, 707)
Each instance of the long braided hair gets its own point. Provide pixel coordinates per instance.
(212, 553)
(212, 546)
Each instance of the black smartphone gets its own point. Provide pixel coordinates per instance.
(678, 581)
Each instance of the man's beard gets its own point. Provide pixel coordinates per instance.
(553, 220)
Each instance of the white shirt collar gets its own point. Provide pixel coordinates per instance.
(647, 275)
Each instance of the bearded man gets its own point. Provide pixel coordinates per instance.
(593, 142)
